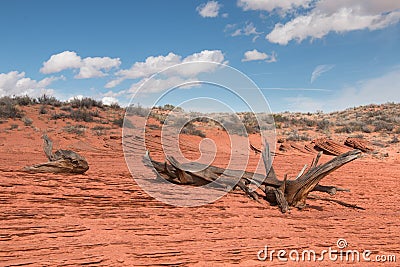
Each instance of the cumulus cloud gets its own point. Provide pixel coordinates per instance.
(254, 54)
(209, 9)
(62, 61)
(319, 70)
(89, 67)
(15, 83)
(337, 16)
(108, 100)
(154, 64)
(94, 66)
(271, 5)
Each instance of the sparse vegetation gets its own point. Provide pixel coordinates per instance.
(27, 121)
(81, 115)
(191, 129)
(100, 130)
(8, 108)
(78, 129)
(85, 102)
(49, 100)
(43, 110)
(137, 111)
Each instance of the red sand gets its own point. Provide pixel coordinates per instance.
(104, 218)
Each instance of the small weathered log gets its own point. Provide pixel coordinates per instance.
(62, 161)
(358, 143)
(329, 146)
(284, 193)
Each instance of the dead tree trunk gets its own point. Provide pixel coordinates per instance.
(284, 193)
(62, 161)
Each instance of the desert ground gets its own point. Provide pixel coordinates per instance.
(103, 218)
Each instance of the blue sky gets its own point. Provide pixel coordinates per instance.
(305, 55)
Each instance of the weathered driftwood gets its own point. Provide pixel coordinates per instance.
(62, 161)
(284, 193)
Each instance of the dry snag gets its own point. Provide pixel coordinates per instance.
(283, 193)
(62, 161)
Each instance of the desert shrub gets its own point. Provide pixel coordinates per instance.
(66, 108)
(8, 108)
(115, 106)
(366, 129)
(360, 136)
(119, 122)
(75, 129)
(13, 126)
(137, 111)
(27, 121)
(154, 126)
(394, 140)
(85, 102)
(344, 129)
(24, 100)
(308, 122)
(296, 136)
(383, 126)
(190, 129)
(43, 110)
(95, 113)
(49, 100)
(128, 124)
(235, 128)
(81, 115)
(57, 116)
(323, 125)
(178, 121)
(280, 118)
(100, 130)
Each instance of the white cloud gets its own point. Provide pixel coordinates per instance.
(108, 100)
(319, 70)
(62, 61)
(94, 66)
(237, 32)
(385, 88)
(337, 16)
(378, 90)
(158, 85)
(271, 5)
(247, 30)
(79, 97)
(209, 10)
(150, 66)
(89, 67)
(253, 55)
(15, 83)
(154, 64)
